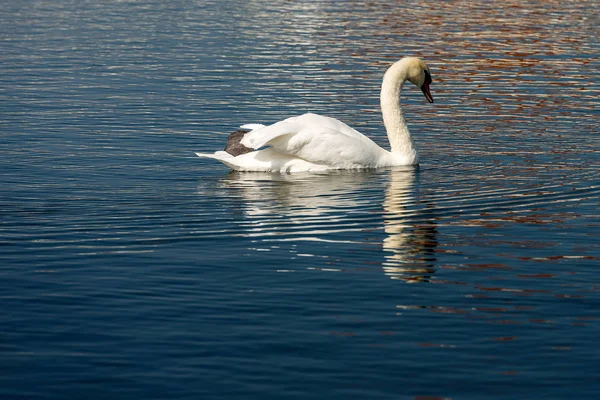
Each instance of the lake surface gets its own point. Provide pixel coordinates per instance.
(131, 269)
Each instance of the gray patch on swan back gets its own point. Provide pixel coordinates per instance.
(234, 147)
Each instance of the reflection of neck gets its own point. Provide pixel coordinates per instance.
(408, 246)
(397, 130)
(398, 196)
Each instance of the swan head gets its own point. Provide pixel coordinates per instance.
(417, 72)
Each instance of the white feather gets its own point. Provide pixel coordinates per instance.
(252, 126)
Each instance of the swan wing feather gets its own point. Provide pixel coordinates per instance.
(319, 121)
(319, 140)
(252, 126)
(261, 137)
(330, 147)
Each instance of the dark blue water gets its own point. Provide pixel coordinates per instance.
(129, 268)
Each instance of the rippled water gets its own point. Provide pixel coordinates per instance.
(132, 269)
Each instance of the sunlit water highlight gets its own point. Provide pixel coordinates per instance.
(132, 269)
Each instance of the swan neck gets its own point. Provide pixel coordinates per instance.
(395, 125)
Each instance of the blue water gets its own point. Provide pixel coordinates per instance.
(130, 268)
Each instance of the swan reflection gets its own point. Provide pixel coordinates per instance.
(411, 236)
(301, 195)
(342, 207)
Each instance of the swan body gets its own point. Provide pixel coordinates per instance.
(312, 142)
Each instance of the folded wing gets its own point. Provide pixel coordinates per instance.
(317, 139)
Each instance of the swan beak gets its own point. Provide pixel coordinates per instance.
(426, 92)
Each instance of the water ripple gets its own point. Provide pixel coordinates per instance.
(130, 268)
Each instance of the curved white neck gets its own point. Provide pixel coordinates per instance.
(397, 130)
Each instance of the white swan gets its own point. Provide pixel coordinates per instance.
(312, 142)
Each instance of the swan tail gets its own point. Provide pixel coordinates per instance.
(262, 136)
(222, 156)
(217, 155)
(245, 162)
